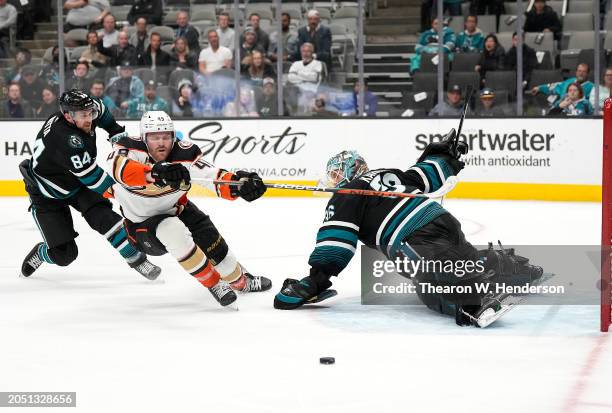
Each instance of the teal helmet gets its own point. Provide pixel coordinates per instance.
(344, 167)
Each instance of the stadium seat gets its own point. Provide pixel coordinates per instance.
(540, 77)
(120, 12)
(170, 18)
(577, 42)
(75, 53)
(501, 79)
(547, 43)
(167, 47)
(428, 65)
(346, 12)
(465, 62)
(179, 74)
(577, 22)
(77, 35)
(264, 13)
(487, 23)
(166, 33)
(203, 15)
(510, 7)
(505, 39)
(420, 102)
(294, 13)
(456, 24)
(424, 81)
(465, 79)
(145, 74)
(325, 13)
(557, 6)
(349, 22)
(545, 60)
(588, 56)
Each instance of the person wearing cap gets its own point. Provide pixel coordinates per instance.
(319, 36)
(214, 57)
(542, 18)
(31, 85)
(262, 38)
(182, 106)
(149, 102)
(488, 108)
(451, 106)
(248, 46)
(120, 52)
(125, 87)
(267, 101)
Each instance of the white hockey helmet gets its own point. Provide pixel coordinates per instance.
(156, 121)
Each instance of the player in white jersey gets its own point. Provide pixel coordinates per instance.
(153, 174)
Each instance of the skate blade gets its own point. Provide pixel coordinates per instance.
(232, 306)
(488, 318)
(323, 296)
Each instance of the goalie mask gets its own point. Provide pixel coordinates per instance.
(344, 167)
(158, 124)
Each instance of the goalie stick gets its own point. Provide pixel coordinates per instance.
(448, 185)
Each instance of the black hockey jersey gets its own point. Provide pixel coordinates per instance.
(379, 222)
(64, 157)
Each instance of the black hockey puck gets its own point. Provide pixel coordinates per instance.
(327, 360)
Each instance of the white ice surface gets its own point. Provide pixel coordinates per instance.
(125, 344)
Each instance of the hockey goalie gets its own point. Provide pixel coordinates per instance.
(153, 173)
(416, 228)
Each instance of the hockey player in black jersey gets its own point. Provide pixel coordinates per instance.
(63, 173)
(415, 228)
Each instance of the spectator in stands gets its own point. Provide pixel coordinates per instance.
(492, 57)
(15, 106)
(108, 33)
(125, 87)
(83, 13)
(261, 37)
(123, 51)
(150, 101)
(428, 43)
(452, 7)
(150, 10)
(317, 35)
(181, 57)
(156, 59)
(140, 38)
(488, 107)
(559, 89)
(247, 107)
(214, 57)
(573, 103)
(258, 69)
(307, 73)
(50, 72)
(22, 58)
(49, 103)
(248, 46)
(370, 100)
(480, 7)
(8, 18)
(542, 18)
(79, 78)
(451, 106)
(530, 60)
(288, 37)
(604, 91)
(226, 33)
(181, 106)
(31, 85)
(471, 39)
(91, 55)
(187, 31)
(267, 102)
(320, 109)
(97, 90)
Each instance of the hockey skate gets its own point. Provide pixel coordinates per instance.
(147, 269)
(248, 283)
(223, 293)
(492, 308)
(296, 293)
(32, 261)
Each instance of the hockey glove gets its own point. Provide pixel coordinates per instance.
(117, 137)
(171, 174)
(445, 147)
(252, 186)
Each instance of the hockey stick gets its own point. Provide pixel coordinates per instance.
(466, 105)
(448, 185)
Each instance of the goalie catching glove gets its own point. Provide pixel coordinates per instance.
(172, 174)
(252, 186)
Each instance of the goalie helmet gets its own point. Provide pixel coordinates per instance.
(156, 121)
(344, 167)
